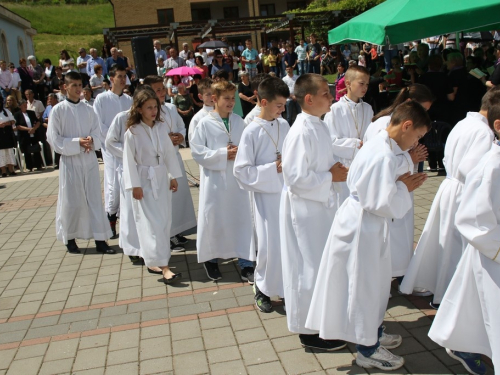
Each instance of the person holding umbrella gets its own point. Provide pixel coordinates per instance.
(174, 61)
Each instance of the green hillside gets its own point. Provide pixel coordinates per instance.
(65, 26)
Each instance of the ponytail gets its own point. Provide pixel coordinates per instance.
(415, 92)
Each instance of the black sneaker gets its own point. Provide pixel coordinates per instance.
(262, 301)
(316, 342)
(212, 270)
(112, 223)
(175, 247)
(247, 275)
(181, 239)
(435, 306)
(72, 247)
(103, 247)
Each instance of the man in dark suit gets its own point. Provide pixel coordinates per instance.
(26, 126)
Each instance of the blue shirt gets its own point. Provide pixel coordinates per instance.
(110, 62)
(250, 55)
(216, 68)
(46, 113)
(90, 66)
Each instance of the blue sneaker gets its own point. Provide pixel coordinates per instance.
(471, 361)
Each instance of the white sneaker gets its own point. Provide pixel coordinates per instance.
(381, 359)
(421, 292)
(390, 341)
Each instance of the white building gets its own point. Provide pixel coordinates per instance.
(16, 37)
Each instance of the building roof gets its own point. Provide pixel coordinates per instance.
(17, 19)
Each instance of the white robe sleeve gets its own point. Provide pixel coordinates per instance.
(99, 111)
(300, 178)
(211, 159)
(476, 217)
(380, 194)
(251, 177)
(171, 161)
(95, 132)
(345, 148)
(480, 146)
(405, 164)
(60, 144)
(113, 139)
(181, 128)
(131, 177)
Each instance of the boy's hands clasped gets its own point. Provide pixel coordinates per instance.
(339, 172)
(87, 143)
(231, 152)
(413, 181)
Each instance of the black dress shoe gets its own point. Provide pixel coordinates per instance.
(136, 260)
(72, 247)
(112, 222)
(103, 247)
(316, 342)
(173, 279)
(160, 272)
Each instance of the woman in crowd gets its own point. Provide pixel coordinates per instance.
(26, 76)
(184, 106)
(190, 60)
(340, 87)
(65, 60)
(172, 84)
(247, 97)
(161, 68)
(200, 64)
(11, 104)
(97, 81)
(7, 141)
(26, 126)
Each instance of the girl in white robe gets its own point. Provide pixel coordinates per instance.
(224, 217)
(353, 283)
(258, 169)
(468, 317)
(441, 246)
(150, 169)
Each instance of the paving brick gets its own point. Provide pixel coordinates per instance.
(85, 325)
(214, 322)
(114, 311)
(218, 337)
(245, 320)
(27, 366)
(118, 357)
(181, 301)
(258, 352)
(283, 344)
(185, 330)
(113, 321)
(421, 335)
(147, 306)
(12, 336)
(78, 300)
(187, 346)
(15, 326)
(56, 367)
(124, 339)
(191, 364)
(90, 358)
(424, 363)
(79, 316)
(59, 329)
(276, 327)
(274, 368)
(227, 303)
(189, 309)
(155, 331)
(228, 368)
(61, 349)
(32, 351)
(223, 354)
(351, 370)
(154, 314)
(340, 358)
(6, 356)
(155, 348)
(299, 362)
(94, 341)
(156, 366)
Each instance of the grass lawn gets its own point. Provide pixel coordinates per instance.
(48, 46)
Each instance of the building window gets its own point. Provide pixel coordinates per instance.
(4, 47)
(267, 10)
(291, 5)
(200, 14)
(20, 48)
(231, 12)
(165, 16)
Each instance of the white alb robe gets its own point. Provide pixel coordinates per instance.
(342, 119)
(183, 216)
(224, 217)
(142, 168)
(115, 140)
(255, 112)
(197, 118)
(440, 246)
(107, 105)
(353, 284)
(401, 231)
(308, 206)
(80, 213)
(255, 170)
(467, 319)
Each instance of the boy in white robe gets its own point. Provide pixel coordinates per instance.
(441, 246)
(308, 204)
(258, 169)
(205, 95)
(467, 320)
(254, 85)
(73, 132)
(353, 283)
(183, 216)
(349, 118)
(224, 216)
(106, 106)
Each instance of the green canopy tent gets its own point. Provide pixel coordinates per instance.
(399, 21)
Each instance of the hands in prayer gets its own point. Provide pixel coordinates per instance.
(279, 167)
(412, 181)
(339, 172)
(86, 143)
(418, 153)
(231, 152)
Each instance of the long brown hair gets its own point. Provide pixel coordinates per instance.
(141, 96)
(417, 92)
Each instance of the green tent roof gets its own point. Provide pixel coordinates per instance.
(399, 21)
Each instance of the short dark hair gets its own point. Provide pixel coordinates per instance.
(272, 88)
(354, 70)
(255, 82)
(413, 111)
(308, 83)
(204, 85)
(152, 79)
(222, 74)
(116, 68)
(491, 104)
(72, 76)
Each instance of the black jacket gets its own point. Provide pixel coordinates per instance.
(24, 136)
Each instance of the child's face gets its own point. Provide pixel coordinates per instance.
(87, 94)
(410, 136)
(274, 108)
(359, 85)
(149, 110)
(119, 80)
(160, 91)
(322, 101)
(225, 102)
(74, 89)
(207, 98)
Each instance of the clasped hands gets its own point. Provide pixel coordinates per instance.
(176, 138)
(87, 143)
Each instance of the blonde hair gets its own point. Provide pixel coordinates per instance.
(221, 87)
(141, 96)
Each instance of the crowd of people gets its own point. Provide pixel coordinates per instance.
(316, 205)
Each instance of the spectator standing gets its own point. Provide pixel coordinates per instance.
(7, 140)
(292, 106)
(313, 55)
(51, 102)
(346, 52)
(12, 105)
(160, 67)
(201, 53)
(16, 82)
(240, 47)
(27, 124)
(185, 51)
(97, 81)
(458, 79)
(87, 96)
(25, 74)
(33, 104)
(172, 84)
(62, 94)
(81, 64)
(193, 93)
(273, 61)
(58, 78)
(184, 106)
(301, 51)
(159, 52)
(174, 61)
(250, 57)
(200, 64)
(354, 51)
(290, 58)
(5, 80)
(190, 60)
(64, 60)
(218, 64)
(38, 75)
(93, 61)
(495, 77)
(114, 59)
(340, 87)
(246, 94)
(128, 67)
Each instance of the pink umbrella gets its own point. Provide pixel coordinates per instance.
(184, 71)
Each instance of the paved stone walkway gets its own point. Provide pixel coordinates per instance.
(99, 314)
